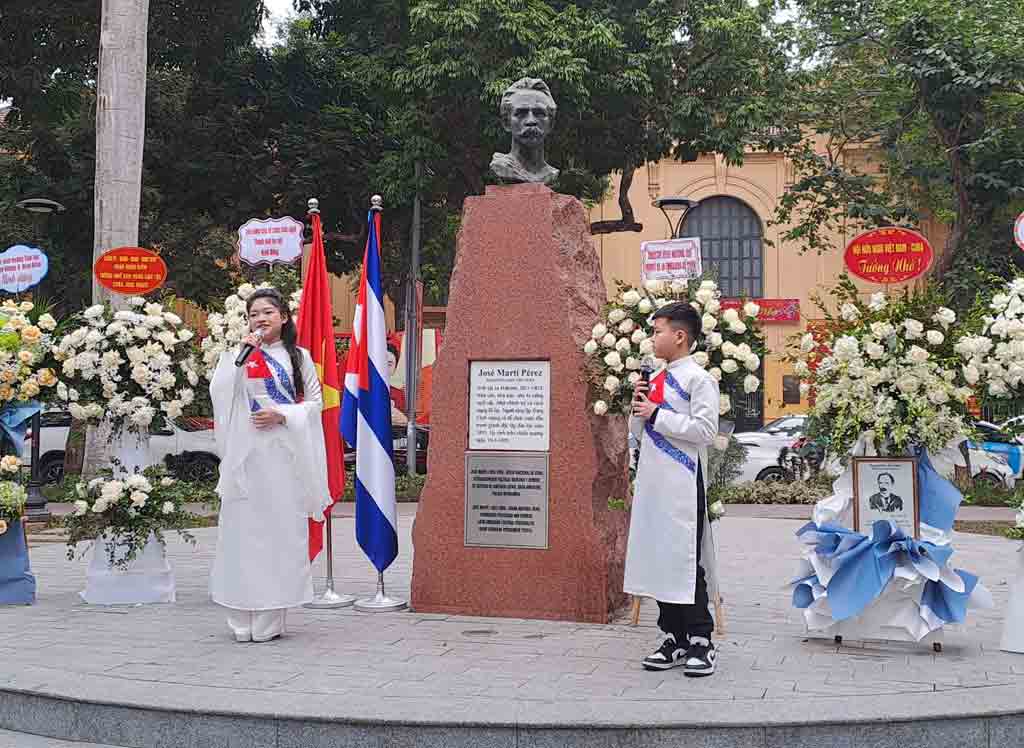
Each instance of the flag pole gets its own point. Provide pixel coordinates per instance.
(330, 598)
(381, 602)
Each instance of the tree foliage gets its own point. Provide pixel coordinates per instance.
(933, 91)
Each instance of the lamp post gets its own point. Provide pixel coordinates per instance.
(35, 505)
(673, 204)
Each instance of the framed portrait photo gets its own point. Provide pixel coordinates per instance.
(885, 488)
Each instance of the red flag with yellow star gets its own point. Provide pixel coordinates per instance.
(316, 334)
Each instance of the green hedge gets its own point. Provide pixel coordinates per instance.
(773, 492)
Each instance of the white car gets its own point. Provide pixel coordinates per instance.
(765, 444)
(187, 447)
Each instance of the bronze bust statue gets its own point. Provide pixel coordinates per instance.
(527, 112)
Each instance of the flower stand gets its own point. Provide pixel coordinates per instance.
(149, 577)
(1013, 627)
(17, 584)
(882, 584)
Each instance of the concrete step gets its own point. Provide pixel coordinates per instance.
(10, 739)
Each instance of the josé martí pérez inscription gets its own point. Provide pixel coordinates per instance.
(510, 405)
(507, 499)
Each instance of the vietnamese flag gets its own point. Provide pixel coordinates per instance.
(656, 388)
(316, 334)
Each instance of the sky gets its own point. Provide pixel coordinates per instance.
(277, 11)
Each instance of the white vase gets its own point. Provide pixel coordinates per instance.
(148, 578)
(1013, 625)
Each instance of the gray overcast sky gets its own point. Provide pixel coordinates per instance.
(279, 10)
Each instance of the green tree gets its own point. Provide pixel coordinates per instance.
(933, 89)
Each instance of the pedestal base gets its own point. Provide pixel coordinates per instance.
(527, 286)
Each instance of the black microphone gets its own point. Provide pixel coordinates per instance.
(646, 369)
(247, 349)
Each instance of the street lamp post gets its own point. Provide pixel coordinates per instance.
(672, 204)
(35, 504)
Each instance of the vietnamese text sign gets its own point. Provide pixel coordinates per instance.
(772, 310)
(270, 240)
(510, 405)
(133, 271)
(670, 259)
(888, 255)
(22, 267)
(1018, 231)
(506, 500)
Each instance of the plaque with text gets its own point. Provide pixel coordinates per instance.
(506, 500)
(510, 405)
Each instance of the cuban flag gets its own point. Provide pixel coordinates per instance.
(366, 412)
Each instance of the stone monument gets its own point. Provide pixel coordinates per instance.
(514, 518)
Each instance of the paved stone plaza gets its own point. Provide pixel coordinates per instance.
(346, 678)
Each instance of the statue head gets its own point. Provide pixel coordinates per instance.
(528, 110)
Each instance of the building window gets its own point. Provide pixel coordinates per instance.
(790, 389)
(731, 242)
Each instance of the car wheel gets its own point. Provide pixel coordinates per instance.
(51, 469)
(771, 475)
(199, 468)
(989, 479)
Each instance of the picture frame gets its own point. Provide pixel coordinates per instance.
(885, 488)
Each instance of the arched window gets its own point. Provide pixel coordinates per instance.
(731, 241)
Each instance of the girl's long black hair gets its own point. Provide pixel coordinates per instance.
(289, 333)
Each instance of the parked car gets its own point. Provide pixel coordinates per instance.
(187, 446)
(765, 445)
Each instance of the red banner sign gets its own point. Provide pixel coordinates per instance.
(772, 310)
(132, 271)
(888, 255)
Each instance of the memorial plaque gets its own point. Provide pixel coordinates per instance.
(506, 500)
(510, 405)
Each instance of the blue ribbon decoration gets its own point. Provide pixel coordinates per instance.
(863, 566)
(14, 421)
(17, 584)
(940, 499)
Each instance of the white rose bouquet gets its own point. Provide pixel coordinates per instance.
(885, 369)
(125, 510)
(25, 345)
(127, 365)
(226, 329)
(992, 353)
(731, 347)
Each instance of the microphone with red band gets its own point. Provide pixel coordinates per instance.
(248, 348)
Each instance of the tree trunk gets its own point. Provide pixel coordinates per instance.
(120, 129)
(120, 135)
(627, 222)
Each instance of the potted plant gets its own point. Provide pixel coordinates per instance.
(17, 584)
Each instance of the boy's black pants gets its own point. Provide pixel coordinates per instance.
(691, 620)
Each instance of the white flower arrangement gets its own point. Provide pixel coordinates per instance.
(226, 330)
(731, 348)
(993, 356)
(126, 366)
(12, 494)
(877, 370)
(125, 510)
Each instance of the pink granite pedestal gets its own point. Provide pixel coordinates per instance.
(526, 286)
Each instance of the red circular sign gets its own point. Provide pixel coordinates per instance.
(1018, 231)
(888, 255)
(132, 271)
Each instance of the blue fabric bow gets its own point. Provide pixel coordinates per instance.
(940, 499)
(863, 566)
(14, 421)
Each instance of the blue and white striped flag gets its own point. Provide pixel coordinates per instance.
(366, 412)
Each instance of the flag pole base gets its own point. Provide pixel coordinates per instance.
(380, 603)
(331, 599)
